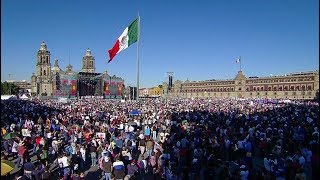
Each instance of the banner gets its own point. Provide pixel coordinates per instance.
(68, 85)
(26, 133)
(119, 88)
(107, 92)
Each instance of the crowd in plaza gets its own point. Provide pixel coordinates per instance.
(162, 138)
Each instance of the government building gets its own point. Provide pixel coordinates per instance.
(53, 81)
(302, 85)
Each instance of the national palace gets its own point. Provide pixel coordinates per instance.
(302, 85)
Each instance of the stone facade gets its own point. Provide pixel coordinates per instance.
(303, 85)
(41, 83)
(57, 82)
(88, 63)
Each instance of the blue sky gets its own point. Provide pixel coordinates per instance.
(197, 40)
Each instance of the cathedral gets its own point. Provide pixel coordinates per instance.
(53, 81)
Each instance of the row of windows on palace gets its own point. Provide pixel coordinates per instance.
(252, 94)
(301, 79)
(255, 88)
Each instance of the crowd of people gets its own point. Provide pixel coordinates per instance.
(163, 138)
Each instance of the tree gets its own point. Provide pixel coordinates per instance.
(6, 87)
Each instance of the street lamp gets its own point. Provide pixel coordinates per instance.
(9, 84)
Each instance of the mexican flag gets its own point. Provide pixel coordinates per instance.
(128, 37)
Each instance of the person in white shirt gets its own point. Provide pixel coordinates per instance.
(118, 169)
(14, 149)
(55, 144)
(63, 163)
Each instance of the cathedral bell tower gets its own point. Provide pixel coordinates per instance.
(88, 62)
(44, 79)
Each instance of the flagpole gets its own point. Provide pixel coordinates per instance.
(137, 98)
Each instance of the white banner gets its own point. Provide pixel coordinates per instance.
(26, 133)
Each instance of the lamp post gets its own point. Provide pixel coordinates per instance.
(9, 84)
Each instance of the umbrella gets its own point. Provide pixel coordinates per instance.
(10, 135)
(135, 112)
(6, 167)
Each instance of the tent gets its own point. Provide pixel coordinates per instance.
(24, 97)
(63, 100)
(4, 97)
(135, 112)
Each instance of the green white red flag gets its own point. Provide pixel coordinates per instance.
(128, 37)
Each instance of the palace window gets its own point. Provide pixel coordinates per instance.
(274, 88)
(261, 88)
(291, 88)
(239, 89)
(303, 88)
(280, 88)
(269, 88)
(309, 88)
(254, 88)
(297, 88)
(258, 89)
